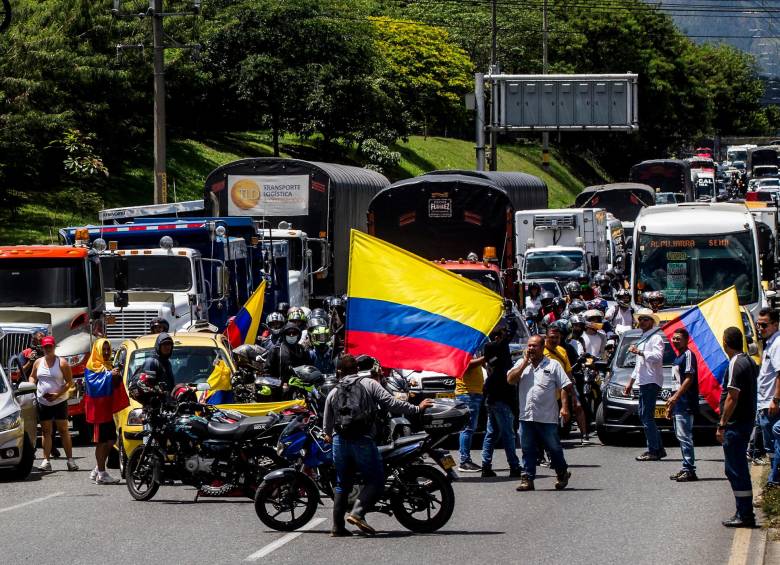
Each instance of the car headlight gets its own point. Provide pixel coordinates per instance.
(401, 396)
(11, 421)
(616, 391)
(136, 417)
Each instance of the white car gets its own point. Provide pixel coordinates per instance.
(18, 425)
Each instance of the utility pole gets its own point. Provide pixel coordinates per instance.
(160, 42)
(494, 90)
(545, 135)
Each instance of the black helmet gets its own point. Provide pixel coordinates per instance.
(162, 322)
(396, 383)
(275, 322)
(563, 326)
(577, 306)
(583, 279)
(145, 387)
(368, 363)
(558, 303)
(623, 297)
(318, 313)
(572, 288)
(249, 356)
(283, 307)
(546, 298)
(309, 375)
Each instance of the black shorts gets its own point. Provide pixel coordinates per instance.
(57, 412)
(104, 432)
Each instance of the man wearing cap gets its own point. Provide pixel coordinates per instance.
(648, 372)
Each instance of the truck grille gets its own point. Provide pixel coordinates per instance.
(11, 344)
(130, 323)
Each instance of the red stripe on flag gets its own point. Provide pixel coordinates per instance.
(408, 353)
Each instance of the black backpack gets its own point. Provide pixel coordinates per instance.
(354, 409)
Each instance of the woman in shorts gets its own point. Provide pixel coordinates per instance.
(53, 378)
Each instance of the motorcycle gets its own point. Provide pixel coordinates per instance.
(202, 446)
(419, 496)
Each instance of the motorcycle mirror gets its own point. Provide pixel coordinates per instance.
(202, 387)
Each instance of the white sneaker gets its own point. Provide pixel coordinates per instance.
(105, 479)
(93, 474)
(45, 465)
(72, 465)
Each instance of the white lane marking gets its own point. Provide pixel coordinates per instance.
(33, 501)
(285, 539)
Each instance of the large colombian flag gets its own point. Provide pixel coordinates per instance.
(244, 326)
(412, 314)
(705, 323)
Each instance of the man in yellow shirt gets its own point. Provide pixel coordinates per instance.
(469, 391)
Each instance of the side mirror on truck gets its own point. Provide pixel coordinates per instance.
(121, 283)
(594, 263)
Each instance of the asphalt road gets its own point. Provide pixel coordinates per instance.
(615, 511)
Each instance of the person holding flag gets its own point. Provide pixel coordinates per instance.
(104, 395)
(684, 403)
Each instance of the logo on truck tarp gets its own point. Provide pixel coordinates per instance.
(262, 195)
(440, 208)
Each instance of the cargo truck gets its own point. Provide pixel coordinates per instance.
(665, 175)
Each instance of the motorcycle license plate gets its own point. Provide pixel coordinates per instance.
(660, 411)
(447, 462)
(445, 395)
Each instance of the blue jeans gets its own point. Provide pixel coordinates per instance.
(500, 424)
(648, 394)
(535, 436)
(735, 440)
(351, 456)
(765, 423)
(474, 402)
(774, 474)
(683, 429)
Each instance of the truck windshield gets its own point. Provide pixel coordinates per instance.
(546, 264)
(737, 155)
(689, 269)
(486, 278)
(44, 283)
(171, 273)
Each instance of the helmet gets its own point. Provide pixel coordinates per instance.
(309, 375)
(559, 303)
(317, 322)
(183, 393)
(572, 288)
(563, 326)
(577, 306)
(546, 298)
(320, 335)
(318, 313)
(162, 322)
(296, 314)
(396, 384)
(144, 388)
(275, 322)
(575, 320)
(283, 307)
(335, 302)
(250, 357)
(618, 274)
(601, 304)
(623, 297)
(601, 279)
(594, 314)
(657, 297)
(368, 363)
(583, 279)
(646, 297)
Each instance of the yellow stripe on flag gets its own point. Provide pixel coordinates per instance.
(722, 311)
(381, 271)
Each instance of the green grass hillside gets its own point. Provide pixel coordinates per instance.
(190, 161)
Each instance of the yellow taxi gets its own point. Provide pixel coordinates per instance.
(195, 357)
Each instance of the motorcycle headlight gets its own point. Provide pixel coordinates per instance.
(135, 417)
(11, 421)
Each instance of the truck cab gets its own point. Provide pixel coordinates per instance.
(56, 289)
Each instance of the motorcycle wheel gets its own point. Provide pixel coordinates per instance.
(287, 504)
(425, 499)
(140, 473)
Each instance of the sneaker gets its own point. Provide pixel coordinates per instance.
(585, 439)
(647, 456)
(45, 465)
(516, 472)
(469, 467)
(563, 480)
(526, 484)
(93, 474)
(360, 523)
(488, 472)
(687, 477)
(105, 479)
(662, 454)
(676, 475)
(760, 461)
(737, 522)
(72, 465)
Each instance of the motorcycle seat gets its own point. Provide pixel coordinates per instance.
(238, 429)
(401, 442)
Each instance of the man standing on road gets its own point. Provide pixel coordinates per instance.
(768, 386)
(648, 371)
(350, 424)
(737, 413)
(684, 403)
(500, 402)
(469, 391)
(540, 379)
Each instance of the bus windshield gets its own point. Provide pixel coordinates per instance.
(554, 264)
(689, 269)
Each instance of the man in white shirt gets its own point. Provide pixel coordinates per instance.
(620, 314)
(649, 373)
(594, 339)
(539, 379)
(768, 391)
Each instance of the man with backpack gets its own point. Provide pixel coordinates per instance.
(350, 423)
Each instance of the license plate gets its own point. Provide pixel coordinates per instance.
(660, 411)
(445, 395)
(447, 462)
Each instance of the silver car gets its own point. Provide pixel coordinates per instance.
(619, 414)
(18, 425)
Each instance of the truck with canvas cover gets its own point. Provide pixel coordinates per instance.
(665, 175)
(56, 289)
(763, 162)
(324, 200)
(463, 221)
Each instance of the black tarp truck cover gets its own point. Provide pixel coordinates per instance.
(623, 200)
(325, 200)
(665, 175)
